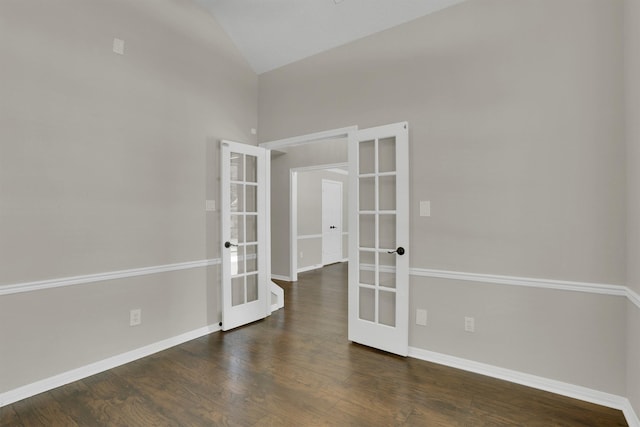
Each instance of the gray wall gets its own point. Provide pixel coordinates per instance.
(105, 164)
(321, 153)
(632, 98)
(516, 129)
(310, 214)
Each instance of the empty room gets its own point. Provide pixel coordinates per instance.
(320, 212)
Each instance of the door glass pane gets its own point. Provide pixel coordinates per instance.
(252, 287)
(252, 258)
(237, 290)
(251, 198)
(387, 277)
(367, 231)
(237, 198)
(239, 265)
(367, 157)
(367, 268)
(387, 308)
(387, 232)
(237, 168)
(387, 155)
(252, 228)
(387, 194)
(367, 303)
(367, 194)
(251, 168)
(237, 229)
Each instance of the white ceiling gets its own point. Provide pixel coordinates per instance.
(273, 33)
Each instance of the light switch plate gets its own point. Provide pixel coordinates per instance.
(421, 317)
(425, 208)
(118, 46)
(210, 205)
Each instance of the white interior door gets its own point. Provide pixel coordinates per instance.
(245, 292)
(331, 221)
(379, 237)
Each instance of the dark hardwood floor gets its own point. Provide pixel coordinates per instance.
(296, 368)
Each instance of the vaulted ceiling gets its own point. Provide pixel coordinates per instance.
(273, 33)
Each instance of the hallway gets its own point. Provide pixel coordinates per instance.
(297, 368)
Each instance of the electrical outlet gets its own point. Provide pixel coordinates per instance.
(301, 254)
(135, 317)
(210, 205)
(421, 317)
(469, 324)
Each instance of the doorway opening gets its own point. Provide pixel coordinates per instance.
(319, 225)
(290, 157)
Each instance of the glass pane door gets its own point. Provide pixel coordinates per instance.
(377, 237)
(378, 282)
(244, 282)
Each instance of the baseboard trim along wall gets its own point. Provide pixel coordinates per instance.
(77, 374)
(101, 277)
(280, 277)
(540, 383)
(562, 285)
(309, 268)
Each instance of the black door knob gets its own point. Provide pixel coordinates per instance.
(228, 245)
(399, 251)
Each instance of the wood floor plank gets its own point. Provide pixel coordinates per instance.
(296, 368)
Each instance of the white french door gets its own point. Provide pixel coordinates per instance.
(379, 238)
(245, 291)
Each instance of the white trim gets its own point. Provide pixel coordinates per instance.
(309, 268)
(310, 236)
(338, 171)
(101, 277)
(632, 417)
(309, 138)
(280, 277)
(540, 383)
(594, 288)
(633, 297)
(319, 167)
(50, 383)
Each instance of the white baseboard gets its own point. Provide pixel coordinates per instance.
(540, 383)
(50, 383)
(279, 277)
(309, 268)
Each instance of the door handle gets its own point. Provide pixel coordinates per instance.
(229, 244)
(399, 251)
(332, 227)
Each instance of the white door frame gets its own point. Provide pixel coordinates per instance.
(350, 133)
(293, 212)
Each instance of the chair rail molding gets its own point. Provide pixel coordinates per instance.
(101, 277)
